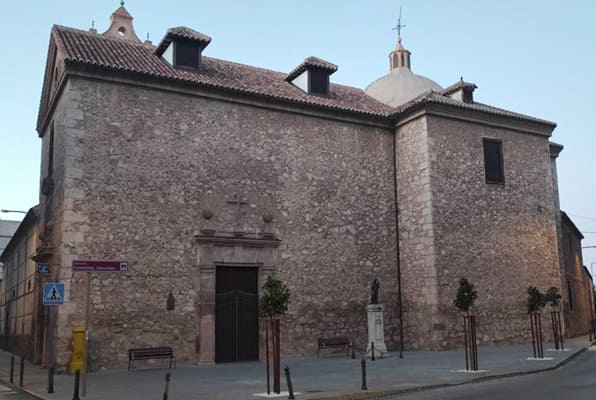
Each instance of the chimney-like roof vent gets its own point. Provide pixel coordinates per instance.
(312, 75)
(182, 47)
(462, 91)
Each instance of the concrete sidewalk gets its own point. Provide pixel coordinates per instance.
(311, 377)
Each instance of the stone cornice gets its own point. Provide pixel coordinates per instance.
(128, 78)
(237, 239)
(476, 116)
(44, 119)
(555, 149)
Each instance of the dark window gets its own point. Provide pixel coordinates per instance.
(570, 295)
(186, 54)
(318, 81)
(51, 153)
(493, 161)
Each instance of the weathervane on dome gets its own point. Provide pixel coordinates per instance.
(399, 25)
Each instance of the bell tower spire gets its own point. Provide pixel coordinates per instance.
(121, 26)
(400, 57)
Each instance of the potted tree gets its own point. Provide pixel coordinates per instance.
(274, 304)
(536, 301)
(553, 298)
(464, 300)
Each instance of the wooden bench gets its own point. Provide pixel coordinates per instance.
(150, 353)
(334, 343)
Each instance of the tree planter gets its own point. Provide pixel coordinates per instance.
(464, 300)
(553, 298)
(536, 301)
(274, 303)
(470, 343)
(555, 317)
(536, 328)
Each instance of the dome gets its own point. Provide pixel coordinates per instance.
(401, 84)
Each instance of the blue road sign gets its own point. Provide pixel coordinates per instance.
(43, 268)
(53, 293)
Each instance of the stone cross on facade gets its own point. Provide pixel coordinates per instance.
(239, 202)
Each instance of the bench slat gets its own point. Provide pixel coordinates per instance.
(336, 342)
(149, 353)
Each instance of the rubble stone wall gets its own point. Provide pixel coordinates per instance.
(142, 165)
(501, 237)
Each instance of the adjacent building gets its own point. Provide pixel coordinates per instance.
(7, 229)
(577, 283)
(22, 317)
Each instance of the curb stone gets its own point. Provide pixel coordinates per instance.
(372, 395)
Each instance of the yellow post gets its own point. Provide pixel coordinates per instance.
(78, 350)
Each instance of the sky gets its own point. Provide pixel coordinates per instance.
(532, 57)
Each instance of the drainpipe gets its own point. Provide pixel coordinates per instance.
(400, 308)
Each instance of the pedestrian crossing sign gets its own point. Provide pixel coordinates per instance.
(53, 293)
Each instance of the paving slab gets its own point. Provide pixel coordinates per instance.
(312, 378)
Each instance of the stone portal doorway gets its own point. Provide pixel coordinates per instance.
(236, 314)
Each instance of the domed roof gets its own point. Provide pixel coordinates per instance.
(401, 84)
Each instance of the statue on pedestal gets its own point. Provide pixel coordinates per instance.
(374, 292)
(376, 329)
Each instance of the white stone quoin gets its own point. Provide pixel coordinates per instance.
(376, 329)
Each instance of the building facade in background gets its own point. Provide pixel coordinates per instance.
(7, 229)
(577, 283)
(22, 318)
(205, 176)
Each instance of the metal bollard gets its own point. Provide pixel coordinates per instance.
(22, 372)
(75, 395)
(353, 352)
(51, 379)
(363, 365)
(167, 388)
(372, 351)
(289, 382)
(11, 369)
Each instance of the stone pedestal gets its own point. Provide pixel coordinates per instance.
(376, 329)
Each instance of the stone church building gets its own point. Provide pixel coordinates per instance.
(206, 175)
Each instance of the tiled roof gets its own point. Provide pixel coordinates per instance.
(184, 32)
(87, 48)
(10, 230)
(7, 227)
(312, 62)
(439, 98)
(181, 32)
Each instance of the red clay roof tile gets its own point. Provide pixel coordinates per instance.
(84, 47)
(88, 48)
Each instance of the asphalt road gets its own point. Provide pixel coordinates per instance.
(573, 381)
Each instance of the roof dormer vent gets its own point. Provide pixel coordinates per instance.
(182, 47)
(312, 76)
(462, 91)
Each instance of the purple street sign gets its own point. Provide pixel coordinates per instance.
(99, 266)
